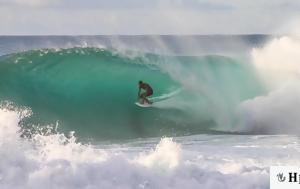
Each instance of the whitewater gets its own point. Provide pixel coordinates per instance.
(68, 119)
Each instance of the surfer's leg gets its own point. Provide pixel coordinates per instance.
(143, 98)
(147, 95)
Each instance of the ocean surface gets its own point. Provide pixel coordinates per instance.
(226, 108)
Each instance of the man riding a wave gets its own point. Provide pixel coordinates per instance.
(148, 92)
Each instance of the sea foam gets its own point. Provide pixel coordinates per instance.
(60, 161)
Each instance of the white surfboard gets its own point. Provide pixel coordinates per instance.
(145, 105)
(157, 99)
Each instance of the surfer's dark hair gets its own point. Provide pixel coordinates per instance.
(140, 82)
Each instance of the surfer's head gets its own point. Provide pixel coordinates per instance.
(140, 83)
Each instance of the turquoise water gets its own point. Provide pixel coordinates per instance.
(92, 91)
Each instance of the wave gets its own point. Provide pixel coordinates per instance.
(93, 90)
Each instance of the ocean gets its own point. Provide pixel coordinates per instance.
(226, 108)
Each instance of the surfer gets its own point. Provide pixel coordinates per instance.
(148, 92)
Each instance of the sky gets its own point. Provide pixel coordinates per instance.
(136, 17)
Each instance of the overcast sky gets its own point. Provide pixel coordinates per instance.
(74, 17)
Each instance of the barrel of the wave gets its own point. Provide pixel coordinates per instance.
(92, 91)
(88, 90)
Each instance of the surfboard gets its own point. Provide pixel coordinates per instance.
(157, 99)
(145, 105)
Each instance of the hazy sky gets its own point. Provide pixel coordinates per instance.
(35, 17)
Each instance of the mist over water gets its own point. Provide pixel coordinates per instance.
(277, 65)
(157, 44)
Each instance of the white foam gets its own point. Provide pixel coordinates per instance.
(204, 161)
(165, 156)
(278, 64)
(278, 61)
(276, 112)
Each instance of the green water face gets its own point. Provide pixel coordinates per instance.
(92, 91)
